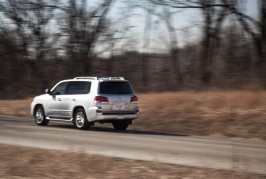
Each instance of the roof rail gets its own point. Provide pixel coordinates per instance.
(111, 78)
(99, 78)
(86, 77)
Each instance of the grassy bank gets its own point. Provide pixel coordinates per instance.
(22, 162)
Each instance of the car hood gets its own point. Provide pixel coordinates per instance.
(40, 97)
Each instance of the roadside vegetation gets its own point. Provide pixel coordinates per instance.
(233, 114)
(22, 162)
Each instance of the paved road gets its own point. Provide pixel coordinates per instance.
(239, 155)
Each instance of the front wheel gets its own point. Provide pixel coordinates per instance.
(120, 125)
(80, 120)
(40, 116)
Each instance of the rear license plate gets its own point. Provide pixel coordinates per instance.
(119, 106)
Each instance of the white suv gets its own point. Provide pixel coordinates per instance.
(85, 100)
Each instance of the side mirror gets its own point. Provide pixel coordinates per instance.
(55, 93)
(47, 91)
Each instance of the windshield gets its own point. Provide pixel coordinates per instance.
(115, 87)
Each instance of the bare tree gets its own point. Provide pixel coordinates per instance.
(30, 20)
(83, 28)
(213, 19)
(146, 50)
(214, 14)
(164, 13)
(167, 17)
(256, 28)
(117, 32)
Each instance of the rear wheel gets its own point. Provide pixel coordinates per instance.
(80, 119)
(120, 125)
(40, 116)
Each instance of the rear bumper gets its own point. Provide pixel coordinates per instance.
(106, 117)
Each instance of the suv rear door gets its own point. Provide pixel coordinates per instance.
(74, 92)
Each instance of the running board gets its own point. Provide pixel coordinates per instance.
(57, 119)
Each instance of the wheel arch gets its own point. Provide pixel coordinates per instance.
(35, 107)
(86, 124)
(76, 108)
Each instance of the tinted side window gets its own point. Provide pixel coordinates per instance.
(78, 87)
(115, 88)
(61, 88)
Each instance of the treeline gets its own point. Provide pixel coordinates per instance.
(44, 41)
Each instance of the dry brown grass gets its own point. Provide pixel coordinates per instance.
(21, 162)
(213, 113)
(19, 108)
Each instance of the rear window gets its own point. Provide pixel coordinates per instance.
(115, 87)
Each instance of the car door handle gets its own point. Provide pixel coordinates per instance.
(73, 99)
(59, 99)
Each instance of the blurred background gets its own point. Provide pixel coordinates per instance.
(159, 45)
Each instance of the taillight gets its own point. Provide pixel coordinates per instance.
(101, 99)
(134, 99)
(99, 111)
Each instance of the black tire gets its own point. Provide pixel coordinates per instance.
(120, 125)
(39, 116)
(80, 119)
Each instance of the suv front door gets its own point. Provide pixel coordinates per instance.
(54, 101)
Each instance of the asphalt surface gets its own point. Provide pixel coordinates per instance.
(229, 154)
